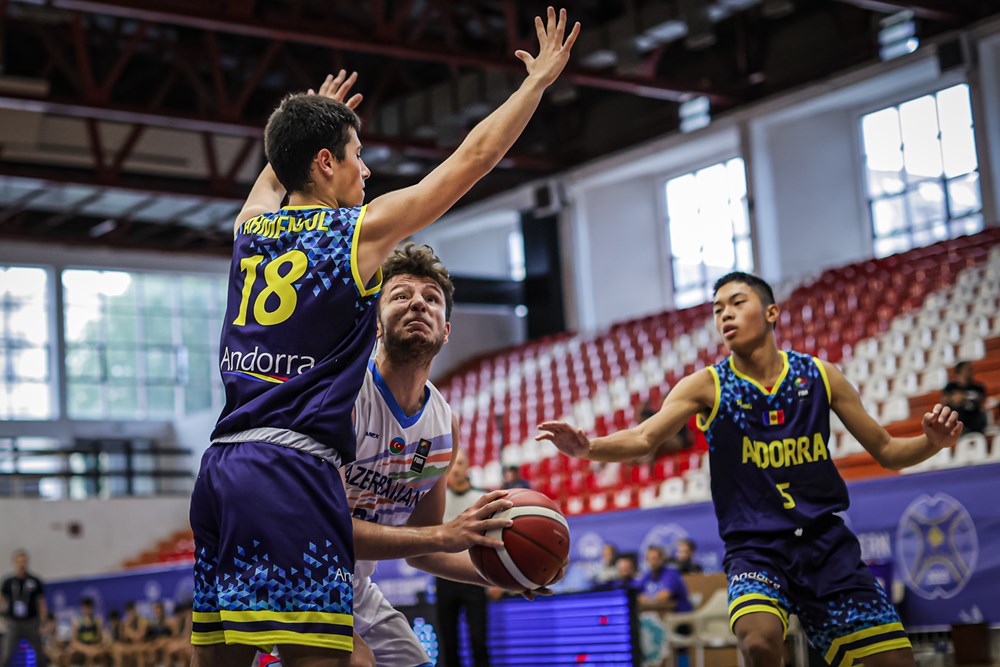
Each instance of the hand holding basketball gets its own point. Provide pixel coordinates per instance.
(475, 524)
(533, 548)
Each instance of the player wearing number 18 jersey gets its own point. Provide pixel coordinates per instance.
(766, 416)
(273, 534)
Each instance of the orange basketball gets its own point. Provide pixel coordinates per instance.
(535, 546)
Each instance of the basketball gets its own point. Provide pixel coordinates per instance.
(535, 546)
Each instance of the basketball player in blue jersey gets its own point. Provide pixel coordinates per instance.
(406, 442)
(766, 416)
(273, 537)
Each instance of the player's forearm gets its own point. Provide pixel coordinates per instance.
(901, 453)
(375, 542)
(455, 567)
(627, 445)
(492, 137)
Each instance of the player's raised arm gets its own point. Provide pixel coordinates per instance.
(941, 427)
(267, 191)
(394, 216)
(693, 395)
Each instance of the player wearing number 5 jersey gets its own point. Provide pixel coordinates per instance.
(273, 535)
(766, 416)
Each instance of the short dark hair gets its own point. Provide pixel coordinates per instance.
(87, 602)
(114, 614)
(758, 285)
(692, 545)
(962, 365)
(301, 127)
(657, 548)
(411, 259)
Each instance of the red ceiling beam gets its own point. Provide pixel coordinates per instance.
(275, 29)
(934, 10)
(116, 114)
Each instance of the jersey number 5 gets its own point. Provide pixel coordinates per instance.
(783, 490)
(277, 285)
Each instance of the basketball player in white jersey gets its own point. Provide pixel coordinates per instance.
(406, 437)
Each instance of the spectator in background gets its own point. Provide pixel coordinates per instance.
(512, 478)
(627, 568)
(683, 560)
(159, 632)
(608, 569)
(966, 397)
(22, 602)
(133, 634)
(87, 640)
(177, 651)
(661, 588)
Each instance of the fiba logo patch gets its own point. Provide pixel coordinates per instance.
(937, 546)
(397, 445)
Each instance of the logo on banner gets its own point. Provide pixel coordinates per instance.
(664, 535)
(589, 545)
(937, 545)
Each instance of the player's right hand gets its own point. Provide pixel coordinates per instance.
(553, 53)
(337, 87)
(568, 440)
(469, 527)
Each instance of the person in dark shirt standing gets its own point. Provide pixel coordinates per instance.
(966, 397)
(22, 603)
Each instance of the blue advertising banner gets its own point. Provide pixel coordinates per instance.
(937, 534)
(169, 584)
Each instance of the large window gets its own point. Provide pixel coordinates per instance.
(25, 363)
(141, 345)
(922, 171)
(709, 229)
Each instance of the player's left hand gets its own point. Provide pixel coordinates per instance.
(337, 87)
(545, 590)
(942, 427)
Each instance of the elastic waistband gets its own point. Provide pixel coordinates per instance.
(284, 438)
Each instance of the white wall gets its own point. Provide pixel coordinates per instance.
(112, 531)
(476, 330)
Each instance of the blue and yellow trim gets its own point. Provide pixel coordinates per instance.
(754, 603)
(763, 389)
(826, 378)
(846, 650)
(703, 424)
(358, 281)
(302, 628)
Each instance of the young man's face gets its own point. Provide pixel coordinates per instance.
(740, 316)
(655, 559)
(350, 174)
(412, 316)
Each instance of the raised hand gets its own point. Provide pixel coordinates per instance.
(941, 426)
(553, 51)
(469, 527)
(337, 87)
(567, 439)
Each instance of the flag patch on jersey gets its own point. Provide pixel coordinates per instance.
(397, 445)
(774, 417)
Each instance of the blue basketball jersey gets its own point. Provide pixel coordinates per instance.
(771, 468)
(299, 329)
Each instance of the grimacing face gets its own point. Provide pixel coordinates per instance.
(412, 316)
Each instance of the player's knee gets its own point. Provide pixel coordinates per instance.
(761, 649)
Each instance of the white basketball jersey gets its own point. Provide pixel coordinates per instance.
(399, 458)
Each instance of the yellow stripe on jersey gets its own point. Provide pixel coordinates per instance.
(826, 379)
(288, 617)
(852, 656)
(704, 424)
(341, 642)
(354, 259)
(763, 389)
(860, 634)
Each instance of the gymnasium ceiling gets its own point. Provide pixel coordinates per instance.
(138, 124)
